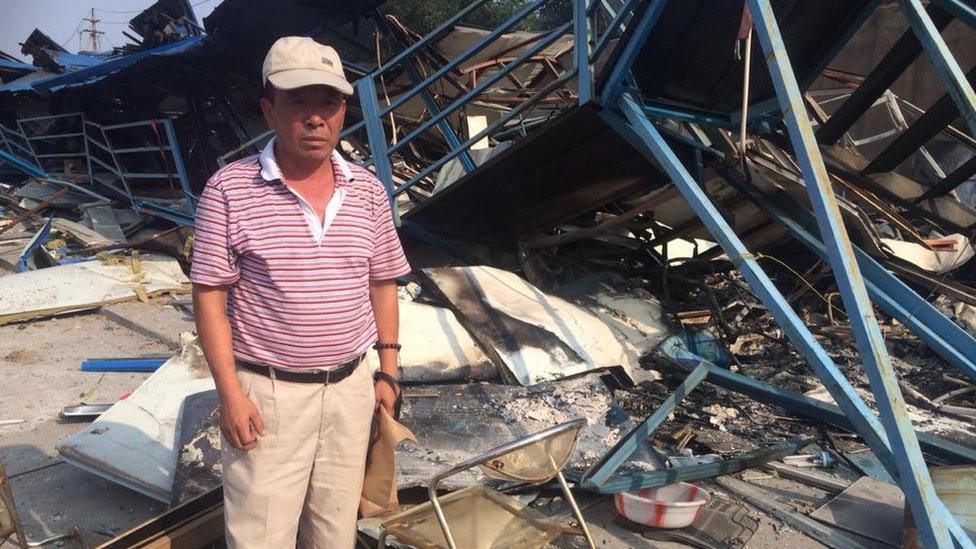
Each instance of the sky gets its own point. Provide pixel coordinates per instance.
(62, 21)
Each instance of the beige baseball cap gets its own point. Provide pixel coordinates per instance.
(297, 61)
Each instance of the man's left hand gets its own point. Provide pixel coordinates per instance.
(385, 395)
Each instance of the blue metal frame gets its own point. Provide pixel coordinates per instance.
(182, 216)
(896, 298)
(892, 437)
(33, 244)
(483, 85)
(461, 58)
(30, 136)
(443, 125)
(22, 164)
(639, 131)
(582, 57)
(959, 9)
(620, 73)
(376, 134)
(945, 64)
(914, 475)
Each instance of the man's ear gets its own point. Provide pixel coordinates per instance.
(267, 109)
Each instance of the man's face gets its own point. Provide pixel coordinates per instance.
(307, 121)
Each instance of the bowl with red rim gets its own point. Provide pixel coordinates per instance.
(672, 506)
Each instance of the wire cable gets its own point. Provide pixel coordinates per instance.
(759, 256)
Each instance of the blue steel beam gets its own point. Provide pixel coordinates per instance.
(913, 473)
(482, 86)
(22, 164)
(582, 41)
(959, 9)
(467, 54)
(620, 73)
(942, 60)
(651, 144)
(174, 148)
(629, 444)
(539, 95)
(615, 24)
(946, 337)
(795, 403)
(429, 37)
(443, 125)
(376, 135)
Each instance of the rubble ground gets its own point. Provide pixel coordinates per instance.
(40, 368)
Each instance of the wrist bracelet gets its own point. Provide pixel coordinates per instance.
(392, 381)
(379, 346)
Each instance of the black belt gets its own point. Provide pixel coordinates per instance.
(334, 375)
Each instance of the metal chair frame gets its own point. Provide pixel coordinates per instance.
(499, 451)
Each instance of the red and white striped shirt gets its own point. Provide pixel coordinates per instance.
(295, 301)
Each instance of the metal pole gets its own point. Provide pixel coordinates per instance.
(376, 135)
(942, 60)
(747, 71)
(646, 138)
(913, 473)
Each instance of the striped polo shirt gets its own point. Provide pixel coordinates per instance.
(295, 299)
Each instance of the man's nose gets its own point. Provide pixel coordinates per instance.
(314, 120)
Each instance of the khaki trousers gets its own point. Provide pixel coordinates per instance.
(305, 477)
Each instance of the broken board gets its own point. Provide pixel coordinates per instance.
(134, 442)
(86, 285)
(872, 509)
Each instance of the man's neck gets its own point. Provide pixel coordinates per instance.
(299, 169)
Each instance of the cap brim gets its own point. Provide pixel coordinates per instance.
(299, 78)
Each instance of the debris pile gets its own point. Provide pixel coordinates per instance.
(768, 323)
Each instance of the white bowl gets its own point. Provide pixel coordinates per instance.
(671, 506)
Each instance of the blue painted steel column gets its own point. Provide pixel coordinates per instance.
(22, 164)
(651, 144)
(376, 135)
(942, 60)
(913, 473)
(958, 9)
(174, 147)
(614, 84)
(581, 50)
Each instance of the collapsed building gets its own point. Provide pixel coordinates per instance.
(637, 213)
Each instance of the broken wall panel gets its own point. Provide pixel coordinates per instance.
(436, 348)
(86, 285)
(134, 442)
(532, 335)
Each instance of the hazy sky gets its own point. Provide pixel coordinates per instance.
(62, 21)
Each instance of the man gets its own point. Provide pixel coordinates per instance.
(295, 255)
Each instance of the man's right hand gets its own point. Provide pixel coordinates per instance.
(240, 422)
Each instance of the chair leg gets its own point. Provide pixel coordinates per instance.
(576, 510)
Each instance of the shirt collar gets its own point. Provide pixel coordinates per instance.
(271, 172)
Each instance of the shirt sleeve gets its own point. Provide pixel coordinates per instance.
(214, 262)
(388, 261)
